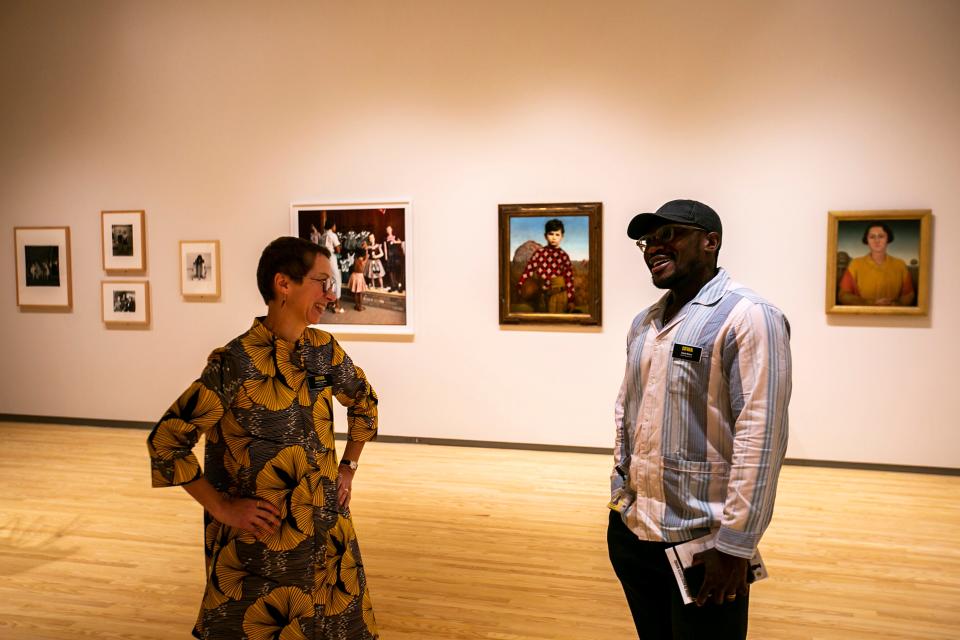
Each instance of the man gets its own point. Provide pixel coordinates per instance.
(331, 241)
(701, 429)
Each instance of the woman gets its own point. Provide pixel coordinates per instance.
(374, 269)
(877, 278)
(282, 557)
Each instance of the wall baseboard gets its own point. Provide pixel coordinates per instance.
(487, 444)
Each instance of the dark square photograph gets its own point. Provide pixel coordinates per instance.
(42, 266)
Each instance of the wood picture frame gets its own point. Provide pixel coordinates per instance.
(43, 270)
(545, 283)
(893, 277)
(200, 270)
(125, 303)
(123, 242)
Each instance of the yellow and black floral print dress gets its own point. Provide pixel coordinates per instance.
(265, 406)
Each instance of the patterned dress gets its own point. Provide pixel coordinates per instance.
(265, 406)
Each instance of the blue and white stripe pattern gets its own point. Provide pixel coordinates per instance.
(699, 443)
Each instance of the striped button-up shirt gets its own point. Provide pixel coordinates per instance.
(701, 419)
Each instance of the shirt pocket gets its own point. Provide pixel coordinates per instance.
(693, 488)
(689, 376)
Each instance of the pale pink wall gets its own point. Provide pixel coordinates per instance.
(215, 116)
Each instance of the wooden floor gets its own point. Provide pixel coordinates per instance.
(460, 543)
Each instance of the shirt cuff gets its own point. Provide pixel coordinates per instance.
(737, 543)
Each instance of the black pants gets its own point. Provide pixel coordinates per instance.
(654, 597)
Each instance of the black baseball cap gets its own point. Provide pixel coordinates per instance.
(681, 211)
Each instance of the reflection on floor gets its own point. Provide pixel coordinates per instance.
(459, 543)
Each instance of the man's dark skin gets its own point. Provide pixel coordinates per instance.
(684, 265)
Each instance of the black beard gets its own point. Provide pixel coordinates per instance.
(667, 283)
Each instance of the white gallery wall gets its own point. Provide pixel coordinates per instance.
(215, 116)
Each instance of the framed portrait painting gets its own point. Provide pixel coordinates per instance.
(550, 263)
(372, 248)
(878, 262)
(200, 269)
(125, 303)
(43, 268)
(123, 241)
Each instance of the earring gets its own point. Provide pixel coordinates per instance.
(284, 301)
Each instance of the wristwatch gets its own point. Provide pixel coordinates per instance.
(349, 463)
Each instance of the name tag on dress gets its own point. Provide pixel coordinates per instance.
(687, 352)
(317, 382)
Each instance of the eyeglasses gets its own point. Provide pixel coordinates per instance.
(325, 283)
(664, 235)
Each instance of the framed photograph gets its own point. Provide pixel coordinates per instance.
(372, 248)
(125, 303)
(878, 262)
(43, 268)
(123, 240)
(550, 263)
(200, 269)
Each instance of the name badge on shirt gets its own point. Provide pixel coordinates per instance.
(686, 352)
(315, 382)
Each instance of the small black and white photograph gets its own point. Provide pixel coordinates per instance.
(123, 241)
(122, 238)
(197, 266)
(200, 270)
(124, 302)
(42, 266)
(42, 269)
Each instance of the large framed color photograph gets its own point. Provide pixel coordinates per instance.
(550, 263)
(878, 262)
(43, 268)
(372, 247)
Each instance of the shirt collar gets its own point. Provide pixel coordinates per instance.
(713, 290)
(708, 295)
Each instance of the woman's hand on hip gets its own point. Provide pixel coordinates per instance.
(255, 515)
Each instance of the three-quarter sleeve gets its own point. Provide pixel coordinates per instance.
(352, 390)
(197, 410)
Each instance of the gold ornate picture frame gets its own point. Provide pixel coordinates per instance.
(878, 262)
(545, 283)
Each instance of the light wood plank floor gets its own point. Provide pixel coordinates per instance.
(459, 543)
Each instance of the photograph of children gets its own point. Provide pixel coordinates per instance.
(42, 266)
(369, 245)
(550, 263)
(879, 263)
(122, 239)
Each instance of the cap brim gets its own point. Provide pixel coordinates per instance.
(644, 223)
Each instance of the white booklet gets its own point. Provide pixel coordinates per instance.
(689, 575)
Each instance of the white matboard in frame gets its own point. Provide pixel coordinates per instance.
(125, 303)
(200, 269)
(43, 268)
(123, 241)
(374, 262)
